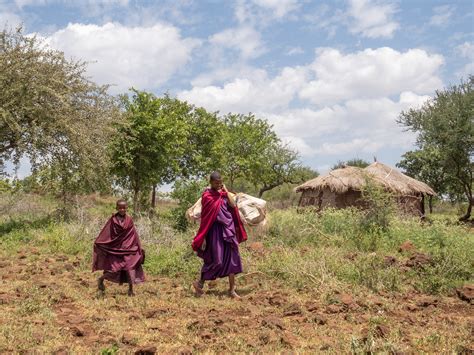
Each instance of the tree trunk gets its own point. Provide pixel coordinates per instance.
(430, 204)
(153, 197)
(423, 205)
(469, 210)
(267, 188)
(136, 208)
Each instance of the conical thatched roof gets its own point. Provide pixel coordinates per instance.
(398, 182)
(354, 178)
(338, 180)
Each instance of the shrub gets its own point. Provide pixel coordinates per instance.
(186, 192)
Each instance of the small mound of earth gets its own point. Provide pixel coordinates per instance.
(466, 293)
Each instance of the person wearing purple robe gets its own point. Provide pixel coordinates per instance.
(118, 252)
(219, 235)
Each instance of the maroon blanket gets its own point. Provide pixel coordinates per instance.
(118, 252)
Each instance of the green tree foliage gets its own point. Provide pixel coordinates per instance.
(147, 142)
(445, 124)
(280, 166)
(51, 113)
(360, 163)
(160, 140)
(241, 149)
(427, 165)
(250, 150)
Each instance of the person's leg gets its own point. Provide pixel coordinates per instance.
(198, 286)
(130, 285)
(100, 284)
(232, 292)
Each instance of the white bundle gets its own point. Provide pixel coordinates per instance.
(252, 210)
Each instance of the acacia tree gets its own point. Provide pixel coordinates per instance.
(280, 166)
(242, 146)
(51, 113)
(160, 140)
(426, 165)
(147, 142)
(445, 124)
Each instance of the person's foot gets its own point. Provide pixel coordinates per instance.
(100, 285)
(198, 288)
(234, 295)
(131, 293)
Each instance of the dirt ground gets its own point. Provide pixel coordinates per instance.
(49, 304)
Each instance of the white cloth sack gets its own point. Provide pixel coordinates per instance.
(252, 210)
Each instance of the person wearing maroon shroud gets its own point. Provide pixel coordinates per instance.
(217, 240)
(118, 252)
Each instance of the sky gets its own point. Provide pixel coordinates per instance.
(330, 76)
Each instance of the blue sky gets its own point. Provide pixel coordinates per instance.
(331, 76)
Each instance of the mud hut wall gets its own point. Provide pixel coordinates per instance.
(348, 199)
(328, 199)
(309, 198)
(411, 205)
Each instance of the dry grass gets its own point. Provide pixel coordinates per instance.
(311, 286)
(397, 182)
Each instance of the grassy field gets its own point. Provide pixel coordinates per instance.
(312, 283)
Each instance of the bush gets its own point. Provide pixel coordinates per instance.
(186, 192)
(379, 208)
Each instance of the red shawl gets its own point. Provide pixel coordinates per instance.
(117, 247)
(211, 203)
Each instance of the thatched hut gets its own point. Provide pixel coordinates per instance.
(341, 188)
(410, 193)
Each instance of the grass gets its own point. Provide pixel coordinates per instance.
(307, 255)
(301, 248)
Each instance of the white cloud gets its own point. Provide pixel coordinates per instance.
(354, 128)
(279, 8)
(364, 145)
(295, 51)
(372, 19)
(323, 18)
(254, 93)
(299, 144)
(9, 20)
(263, 12)
(357, 126)
(244, 39)
(370, 73)
(466, 50)
(22, 3)
(308, 124)
(442, 15)
(145, 57)
(352, 100)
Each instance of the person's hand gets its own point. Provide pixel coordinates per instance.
(224, 188)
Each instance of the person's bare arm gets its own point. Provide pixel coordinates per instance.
(230, 196)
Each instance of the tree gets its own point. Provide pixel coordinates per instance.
(426, 165)
(280, 166)
(51, 113)
(360, 163)
(445, 123)
(147, 142)
(161, 139)
(241, 149)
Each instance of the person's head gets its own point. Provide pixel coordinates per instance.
(215, 180)
(121, 207)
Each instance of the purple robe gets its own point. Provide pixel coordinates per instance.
(221, 255)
